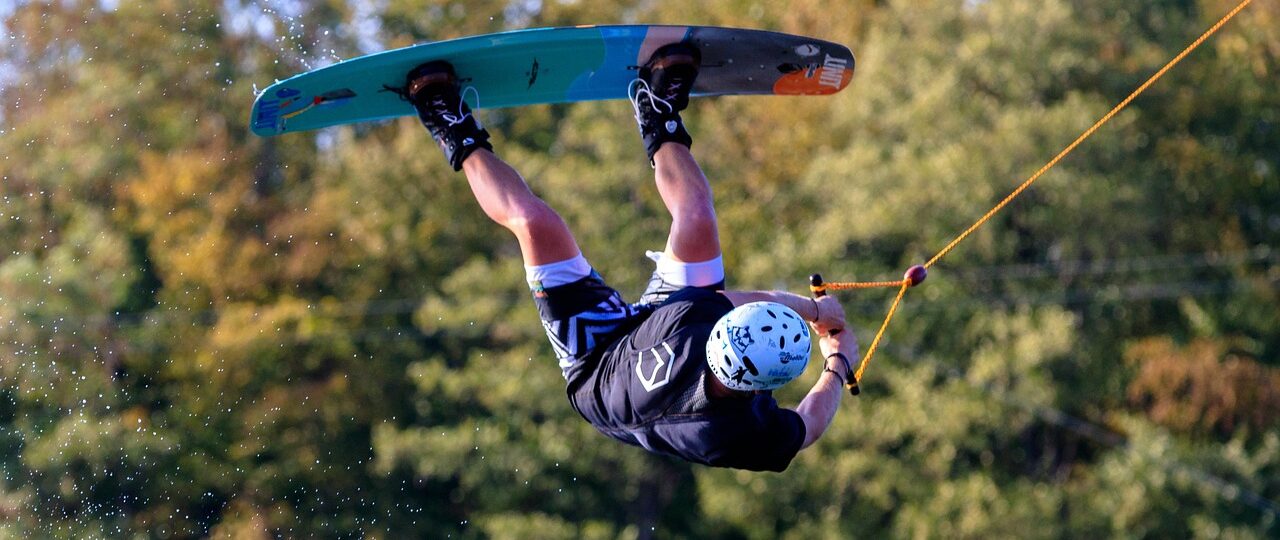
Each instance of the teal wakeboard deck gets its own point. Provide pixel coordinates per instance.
(552, 65)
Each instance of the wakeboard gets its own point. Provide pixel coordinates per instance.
(552, 65)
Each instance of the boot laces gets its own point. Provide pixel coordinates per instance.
(441, 107)
(638, 90)
(673, 89)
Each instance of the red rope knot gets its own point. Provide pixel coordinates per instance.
(915, 275)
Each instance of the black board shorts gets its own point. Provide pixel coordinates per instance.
(584, 315)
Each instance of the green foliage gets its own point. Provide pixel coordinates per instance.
(204, 333)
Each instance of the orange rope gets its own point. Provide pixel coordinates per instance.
(1088, 133)
(849, 285)
(871, 350)
(905, 283)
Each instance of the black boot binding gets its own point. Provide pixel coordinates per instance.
(661, 91)
(433, 89)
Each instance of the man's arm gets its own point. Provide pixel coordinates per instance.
(824, 312)
(818, 408)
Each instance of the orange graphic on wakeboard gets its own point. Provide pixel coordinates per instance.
(829, 77)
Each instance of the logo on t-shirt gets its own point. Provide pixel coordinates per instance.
(653, 368)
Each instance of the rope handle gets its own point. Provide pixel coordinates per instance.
(913, 276)
(819, 290)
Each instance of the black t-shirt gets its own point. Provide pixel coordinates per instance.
(650, 390)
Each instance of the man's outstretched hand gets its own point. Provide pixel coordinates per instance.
(844, 343)
(830, 315)
(832, 339)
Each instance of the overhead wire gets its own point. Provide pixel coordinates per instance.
(1013, 274)
(1103, 267)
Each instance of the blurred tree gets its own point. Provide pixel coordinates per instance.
(1202, 389)
(205, 333)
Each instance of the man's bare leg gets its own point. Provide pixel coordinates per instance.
(659, 93)
(684, 189)
(501, 192)
(506, 199)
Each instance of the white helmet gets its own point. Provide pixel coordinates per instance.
(758, 346)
